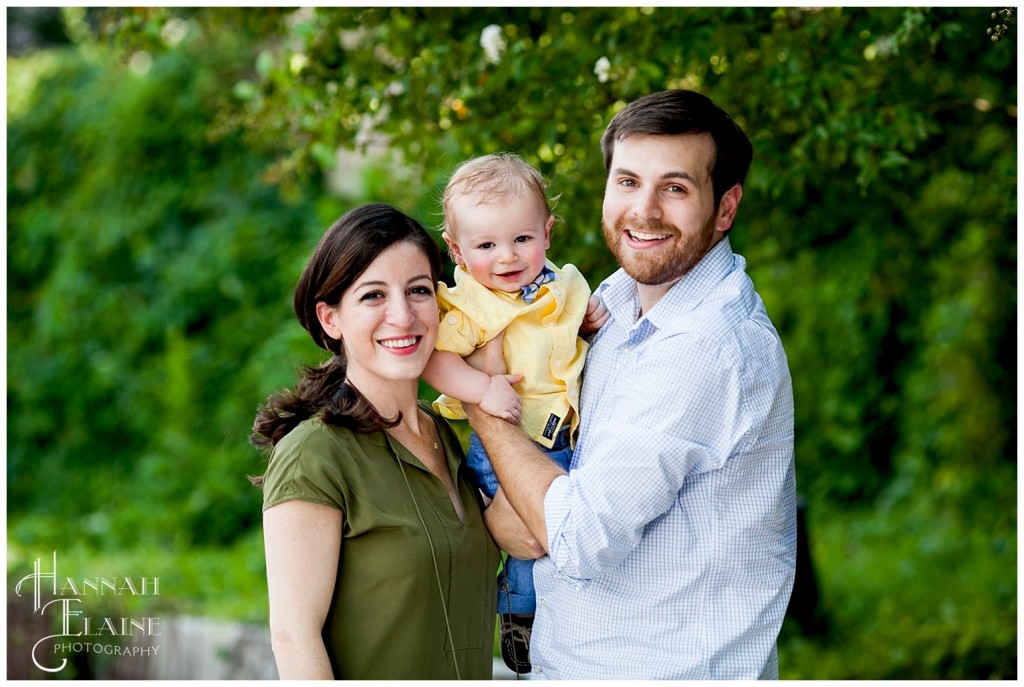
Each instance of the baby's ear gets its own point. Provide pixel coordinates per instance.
(453, 249)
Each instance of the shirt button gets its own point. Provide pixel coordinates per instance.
(543, 603)
(536, 670)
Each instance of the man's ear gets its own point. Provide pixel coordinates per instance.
(453, 249)
(727, 207)
(328, 318)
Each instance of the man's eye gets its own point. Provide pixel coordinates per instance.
(627, 182)
(677, 189)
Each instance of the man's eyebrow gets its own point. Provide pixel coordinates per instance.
(674, 174)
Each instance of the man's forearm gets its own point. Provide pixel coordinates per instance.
(523, 470)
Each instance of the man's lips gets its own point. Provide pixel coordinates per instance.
(638, 235)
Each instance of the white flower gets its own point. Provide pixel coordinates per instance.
(602, 68)
(492, 42)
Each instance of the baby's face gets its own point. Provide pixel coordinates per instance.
(502, 244)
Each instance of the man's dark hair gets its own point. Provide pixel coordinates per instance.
(669, 113)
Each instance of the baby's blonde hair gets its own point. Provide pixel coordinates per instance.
(490, 177)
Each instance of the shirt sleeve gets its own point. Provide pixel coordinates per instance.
(301, 469)
(678, 412)
(458, 333)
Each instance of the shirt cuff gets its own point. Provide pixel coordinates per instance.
(557, 521)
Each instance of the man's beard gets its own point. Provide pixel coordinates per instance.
(666, 264)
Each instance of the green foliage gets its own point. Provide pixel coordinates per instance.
(165, 187)
(140, 292)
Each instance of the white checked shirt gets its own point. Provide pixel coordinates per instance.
(673, 539)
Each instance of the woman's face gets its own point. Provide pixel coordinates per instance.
(387, 320)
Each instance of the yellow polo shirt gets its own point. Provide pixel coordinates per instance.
(541, 342)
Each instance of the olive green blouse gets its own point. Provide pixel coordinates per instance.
(403, 548)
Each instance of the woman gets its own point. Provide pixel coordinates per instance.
(378, 562)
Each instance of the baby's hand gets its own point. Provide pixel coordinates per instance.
(501, 400)
(597, 315)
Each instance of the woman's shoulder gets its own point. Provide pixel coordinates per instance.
(314, 462)
(313, 438)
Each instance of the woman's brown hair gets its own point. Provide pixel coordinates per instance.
(345, 251)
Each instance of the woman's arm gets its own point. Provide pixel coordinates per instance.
(302, 542)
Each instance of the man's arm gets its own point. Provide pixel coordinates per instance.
(523, 470)
(508, 531)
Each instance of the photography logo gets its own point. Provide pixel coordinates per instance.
(67, 599)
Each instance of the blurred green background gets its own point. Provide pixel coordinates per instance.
(169, 171)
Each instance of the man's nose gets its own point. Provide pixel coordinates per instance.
(647, 205)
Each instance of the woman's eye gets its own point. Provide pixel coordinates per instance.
(371, 296)
(421, 291)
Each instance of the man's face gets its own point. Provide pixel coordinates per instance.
(659, 214)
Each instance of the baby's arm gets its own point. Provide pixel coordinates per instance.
(451, 375)
(597, 315)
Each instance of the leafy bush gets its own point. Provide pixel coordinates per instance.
(169, 173)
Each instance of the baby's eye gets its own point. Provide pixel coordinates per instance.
(486, 246)
(523, 239)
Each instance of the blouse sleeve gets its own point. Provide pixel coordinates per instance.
(304, 466)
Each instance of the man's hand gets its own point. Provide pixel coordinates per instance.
(508, 530)
(597, 315)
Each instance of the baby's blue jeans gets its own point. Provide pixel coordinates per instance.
(515, 581)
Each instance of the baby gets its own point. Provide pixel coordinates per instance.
(497, 225)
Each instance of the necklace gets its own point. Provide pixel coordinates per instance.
(432, 429)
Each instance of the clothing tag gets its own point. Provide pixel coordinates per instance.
(551, 426)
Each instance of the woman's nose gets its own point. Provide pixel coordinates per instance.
(400, 312)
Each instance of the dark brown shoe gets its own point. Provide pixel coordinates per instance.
(514, 638)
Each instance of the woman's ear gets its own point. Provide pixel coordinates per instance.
(328, 317)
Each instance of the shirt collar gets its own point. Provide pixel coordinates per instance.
(619, 292)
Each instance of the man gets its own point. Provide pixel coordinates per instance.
(671, 544)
